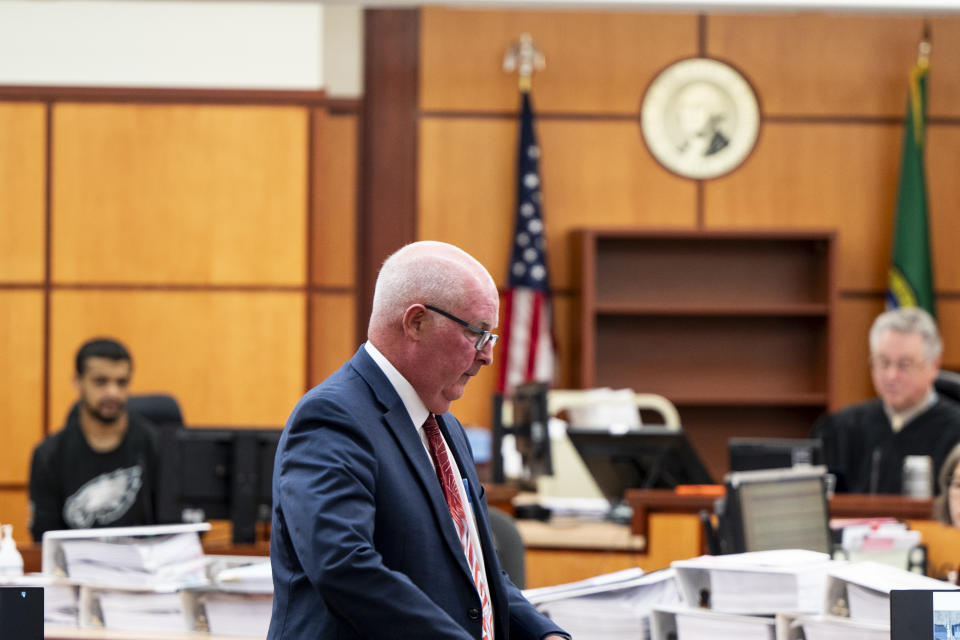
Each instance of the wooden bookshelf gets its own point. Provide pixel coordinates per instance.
(736, 328)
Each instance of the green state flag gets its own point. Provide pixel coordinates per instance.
(910, 281)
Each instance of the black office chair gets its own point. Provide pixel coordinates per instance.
(947, 384)
(509, 544)
(159, 408)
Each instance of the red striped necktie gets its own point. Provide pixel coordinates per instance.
(449, 482)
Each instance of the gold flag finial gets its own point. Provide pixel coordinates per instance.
(524, 58)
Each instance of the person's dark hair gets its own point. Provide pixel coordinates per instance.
(941, 505)
(101, 348)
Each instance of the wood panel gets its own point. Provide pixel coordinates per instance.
(21, 382)
(179, 193)
(230, 358)
(819, 176)
(948, 317)
(597, 62)
(944, 86)
(943, 157)
(22, 191)
(591, 170)
(852, 380)
(818, 63)
(333, 325)
(14, 510)
(334, 225)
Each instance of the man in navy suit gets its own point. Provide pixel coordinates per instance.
(366, 542)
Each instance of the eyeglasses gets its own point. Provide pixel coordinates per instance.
(905, 365)
(484, 337)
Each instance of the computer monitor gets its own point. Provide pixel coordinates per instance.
(775, 509)
(21, 612)
(217, 474)
(647, 458)
(749, 454)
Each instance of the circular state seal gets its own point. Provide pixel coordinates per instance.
(700, 118)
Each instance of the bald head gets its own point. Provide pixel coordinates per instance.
(427, 272)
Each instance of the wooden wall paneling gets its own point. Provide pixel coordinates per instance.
(15, 510)
(179, 193)
(21, 381)
(819, 176)
(388, 145)
(852, 382)
(819, 63)
(23, 164)
(943, 203)
(333, 328)
(948, 317)
(597, 61)
(943, 89)
(710, 427)
(591, 170)
(231, 358)
(335, 202)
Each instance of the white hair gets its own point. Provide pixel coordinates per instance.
(425, 272)
(909, 320)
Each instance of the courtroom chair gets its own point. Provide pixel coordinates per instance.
(159, 408)
(947, 384)
(510, 546)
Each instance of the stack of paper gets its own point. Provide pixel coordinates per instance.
(610, 606)
(157, 561)
(831, 628)
(758, 582)
(237, 614)
(688, 623)
(132, 610)
(861, 590)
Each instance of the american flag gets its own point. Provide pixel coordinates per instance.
(528, 342)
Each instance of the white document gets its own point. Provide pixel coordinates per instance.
(832, 628)
(688, 623)
(606, 608)
(254, 577)
(135, 562)
(139, 610)
(864, 588)
(234, 614)
(756, 583)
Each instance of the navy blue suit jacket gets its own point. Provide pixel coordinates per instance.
(362, 544)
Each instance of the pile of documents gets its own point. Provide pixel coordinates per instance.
(782, 595)
(610, 606)
(239, 601)
(158, 561)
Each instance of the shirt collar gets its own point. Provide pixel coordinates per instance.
(411, 400)
(899, 420)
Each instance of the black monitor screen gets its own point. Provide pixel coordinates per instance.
(783, 509)
(217, 474)
(749, 454)
(21, 613)
(647, 458)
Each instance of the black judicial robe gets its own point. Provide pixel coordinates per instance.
(862, 450)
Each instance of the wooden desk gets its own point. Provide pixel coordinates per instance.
(645, 502)
(942, 542)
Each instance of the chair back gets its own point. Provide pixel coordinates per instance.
(159, 408)
(510, 546)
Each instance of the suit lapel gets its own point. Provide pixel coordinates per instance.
(397, 421)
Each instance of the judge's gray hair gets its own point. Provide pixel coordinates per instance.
(909, 320)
